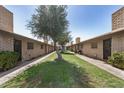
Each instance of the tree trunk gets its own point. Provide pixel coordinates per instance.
(59, 56)
(63, 48)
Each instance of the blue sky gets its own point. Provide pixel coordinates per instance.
(84, 21)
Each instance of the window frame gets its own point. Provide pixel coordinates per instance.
(94, 45)
(30, 45)
(41, 46)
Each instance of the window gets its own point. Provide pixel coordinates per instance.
(41, 46)
(30, 45)
(93, 45)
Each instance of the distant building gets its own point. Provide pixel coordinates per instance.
(77, 40)
(46, 41)
(71, 42)
(52, 43)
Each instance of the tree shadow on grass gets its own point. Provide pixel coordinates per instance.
(67, 53)
(52, 74)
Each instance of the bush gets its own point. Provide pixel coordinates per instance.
(8, 59)
(117, 60)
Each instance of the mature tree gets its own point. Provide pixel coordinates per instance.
(49, 22)
(64, 39)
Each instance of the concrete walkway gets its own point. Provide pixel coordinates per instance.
(101, 64)
(5, 76)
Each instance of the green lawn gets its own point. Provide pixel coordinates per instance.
(72, 72)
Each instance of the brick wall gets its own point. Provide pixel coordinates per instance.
(6, 19)
(6, 42)
(31, 53)
(118, 19)
(118, 42)
(93, 52)
(28, 54)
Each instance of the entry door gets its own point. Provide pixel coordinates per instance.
(106, 48)
(45, 48)
(18, 47)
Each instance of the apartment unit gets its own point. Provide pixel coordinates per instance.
(9, 41)
(101, 47)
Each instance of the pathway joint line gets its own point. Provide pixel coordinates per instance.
(101, 64)
(16, 71)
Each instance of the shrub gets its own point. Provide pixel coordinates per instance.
(8, 59)
(117, 60)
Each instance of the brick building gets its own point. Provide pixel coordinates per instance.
(101, 47)
(9, 41)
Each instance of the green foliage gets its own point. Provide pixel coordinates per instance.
(64, 38)
(117, 60)
(49, 22)
(8, 59)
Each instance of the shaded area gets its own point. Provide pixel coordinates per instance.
(52, 74)
(67, 53)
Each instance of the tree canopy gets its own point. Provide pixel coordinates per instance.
(64, 38)
(49, 22)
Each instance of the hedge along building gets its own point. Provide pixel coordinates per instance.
(101, 47)
(9, 41)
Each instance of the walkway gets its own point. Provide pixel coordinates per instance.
(101, 64)
(5, 76)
